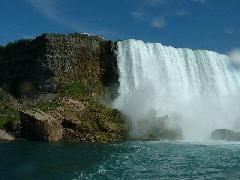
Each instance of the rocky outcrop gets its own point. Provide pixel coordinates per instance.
(225, 134)
(86, 120)
(4, 136)
(37, 125)
(152, 128)
(59, 80)
(68, 119)
(50, 61)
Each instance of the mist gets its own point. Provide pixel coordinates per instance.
(234, 55)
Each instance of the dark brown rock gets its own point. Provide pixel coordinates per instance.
(37, 125)
(225, 134)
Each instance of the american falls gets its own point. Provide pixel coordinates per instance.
(198, 90)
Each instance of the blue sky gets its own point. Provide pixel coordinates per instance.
(198, 24)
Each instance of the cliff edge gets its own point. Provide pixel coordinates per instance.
(49, 77)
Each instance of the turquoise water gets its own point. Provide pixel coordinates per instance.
(130, 160)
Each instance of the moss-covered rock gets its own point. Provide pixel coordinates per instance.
(85, 119)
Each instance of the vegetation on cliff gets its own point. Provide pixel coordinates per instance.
(8, 109)
(85, 119)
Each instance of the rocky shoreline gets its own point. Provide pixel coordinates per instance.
(52, 86)
(65, 118)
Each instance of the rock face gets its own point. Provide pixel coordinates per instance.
(225, 134)
(43, 65)
(37, 125)
(4, 136)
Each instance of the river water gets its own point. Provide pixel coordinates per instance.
(128, 160)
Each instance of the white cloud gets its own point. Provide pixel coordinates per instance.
(234, 55)
(138, 14)
(158, 23)
(153, 2)
(229, 30)
(142, 14)
(45, 6)
(199, 1)
(49, 9)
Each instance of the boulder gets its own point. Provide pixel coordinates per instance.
(225, 134)
(153, 128)
(13, 128)
(37, 125)
(4, 136)
(87, 120)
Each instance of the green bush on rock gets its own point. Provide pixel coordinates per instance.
(74, 89)
(8, 111)
(7, 114)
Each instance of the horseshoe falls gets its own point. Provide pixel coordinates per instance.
(197, 89)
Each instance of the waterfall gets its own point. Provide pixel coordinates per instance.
(197, 89)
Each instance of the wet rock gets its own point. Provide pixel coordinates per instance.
(4, 136)
(87, 136)
(225, 134)
(37, 125)
(152, 128)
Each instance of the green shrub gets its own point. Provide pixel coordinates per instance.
(74, 89)
(7, 114)
(47, 106)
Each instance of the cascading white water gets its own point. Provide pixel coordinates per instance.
(198, 89)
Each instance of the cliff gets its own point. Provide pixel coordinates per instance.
(50, 61)
(49, 77)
